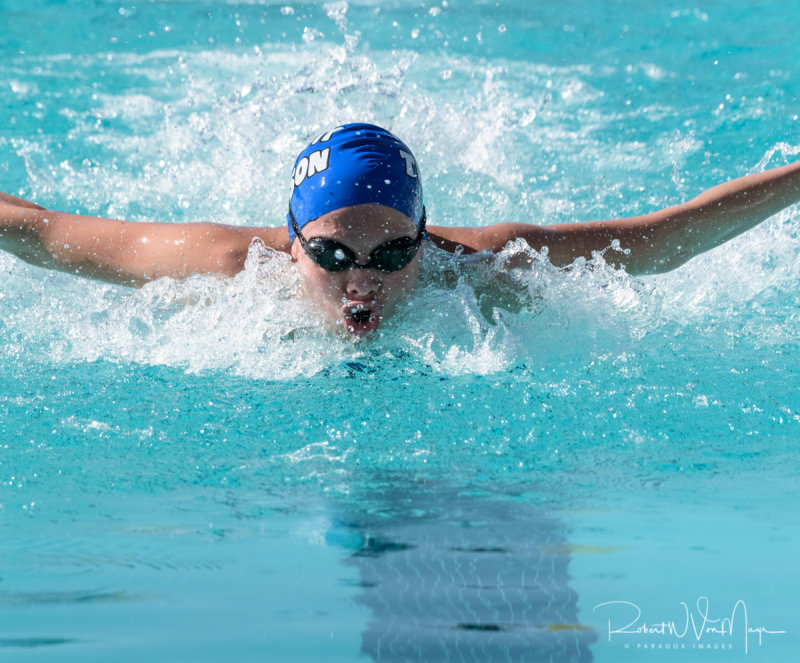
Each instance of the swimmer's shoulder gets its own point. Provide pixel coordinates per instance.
(493, 238)
(230, 244)
(276, 238)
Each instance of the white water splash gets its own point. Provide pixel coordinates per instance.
(468, 316)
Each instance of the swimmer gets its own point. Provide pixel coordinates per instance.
(355, 225)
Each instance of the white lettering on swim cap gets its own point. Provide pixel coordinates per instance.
(309, 166)
(411, 165)
(318, 161)
(299, 172)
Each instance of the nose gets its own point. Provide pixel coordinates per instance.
(362, 283)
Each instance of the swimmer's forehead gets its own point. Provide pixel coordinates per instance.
(367, 220)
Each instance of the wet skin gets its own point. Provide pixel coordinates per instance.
(356, 301)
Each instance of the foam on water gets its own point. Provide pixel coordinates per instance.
(260, 324)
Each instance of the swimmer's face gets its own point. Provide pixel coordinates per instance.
(353, 300)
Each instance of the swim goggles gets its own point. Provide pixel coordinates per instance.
(391, 256)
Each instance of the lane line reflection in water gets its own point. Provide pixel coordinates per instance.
(449, 576)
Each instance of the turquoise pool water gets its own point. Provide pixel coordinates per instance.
(192, 472)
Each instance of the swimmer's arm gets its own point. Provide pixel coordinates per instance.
(657, 242)
(124, 252)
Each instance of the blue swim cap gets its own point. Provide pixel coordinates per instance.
(352, 165)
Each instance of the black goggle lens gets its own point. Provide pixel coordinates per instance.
(392, 256)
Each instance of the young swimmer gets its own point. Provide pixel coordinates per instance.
(355, 224)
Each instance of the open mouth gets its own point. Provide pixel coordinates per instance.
(360, 319)
(361, 316)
